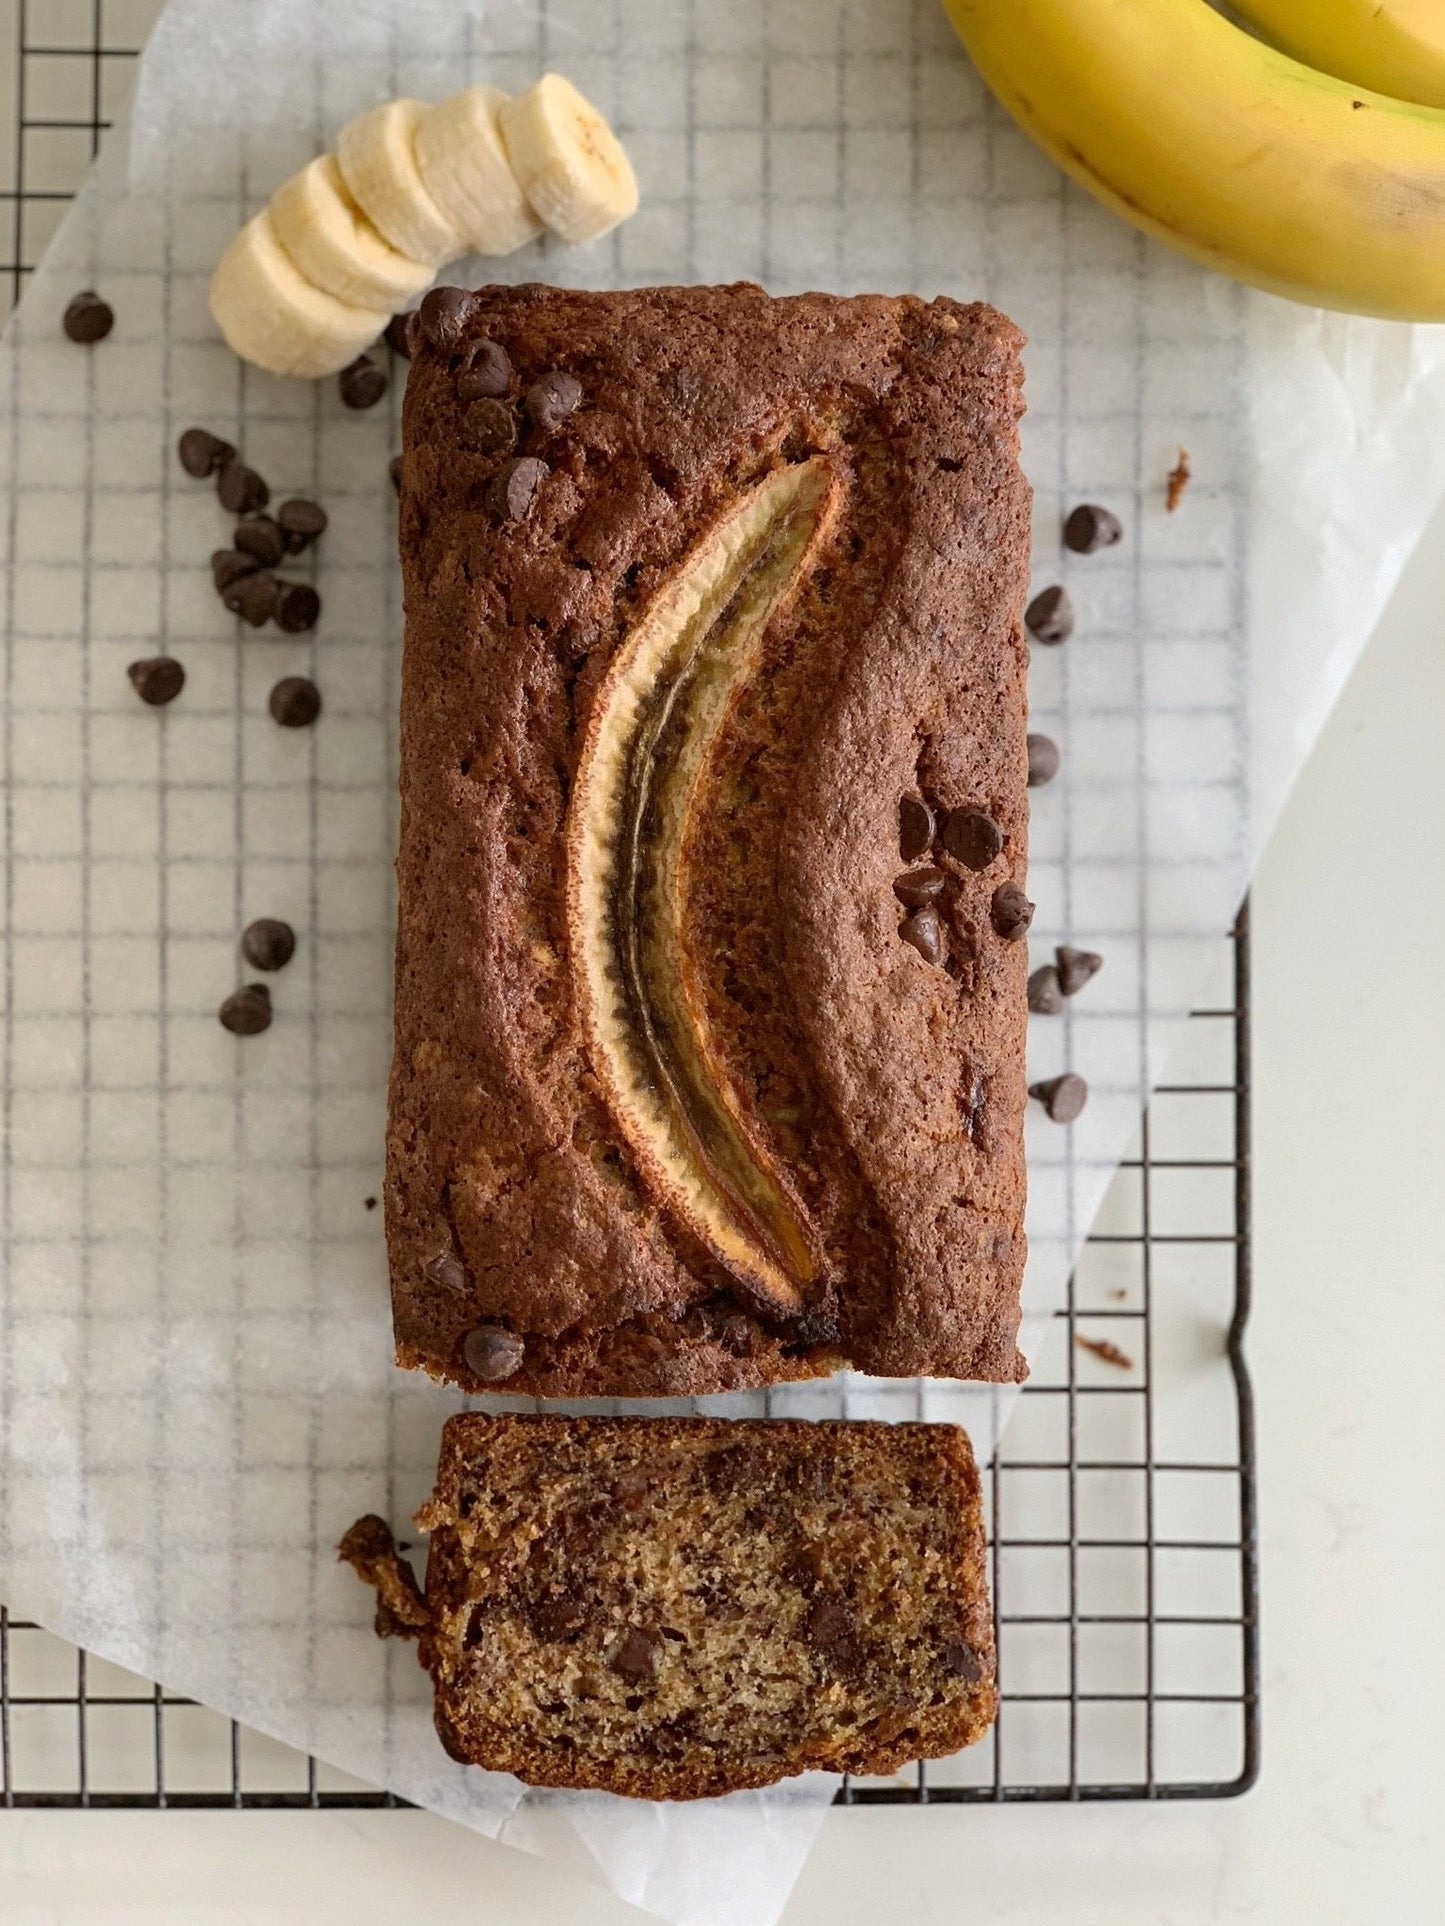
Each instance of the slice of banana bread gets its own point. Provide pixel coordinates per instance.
(710, 998)
(672, 1608)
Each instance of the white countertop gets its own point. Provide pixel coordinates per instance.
(1347, 1345)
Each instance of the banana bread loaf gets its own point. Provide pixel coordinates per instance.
(673, 1608)
(710, 994)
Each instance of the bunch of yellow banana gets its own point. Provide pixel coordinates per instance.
(311, 280)
(1314, 168)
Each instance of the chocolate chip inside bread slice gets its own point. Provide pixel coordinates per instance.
(675, 1608)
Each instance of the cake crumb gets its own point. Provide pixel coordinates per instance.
(1106, 1352)
(1178, 481)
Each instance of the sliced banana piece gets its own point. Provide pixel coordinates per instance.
(271, 314)
(336, 247)
(464, 167)
(377, 156)
(569, 163)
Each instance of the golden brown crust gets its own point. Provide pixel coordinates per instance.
(888, 1090)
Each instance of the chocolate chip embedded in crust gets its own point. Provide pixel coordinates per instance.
(919, 886)
(972, 838)
(448, 1270)
(962, 1661)
(486, 374)
(493, 1352)
(1076, 967)
(1050, 616)
(362, 382)
(1011, 912)
(558, 1618)
(268, 943)
(510, 495)
(925, 933)
(157, 680)
(88, 319)
(229, 565)
(300, 522)
(1046, 997)
(1062, 1097)
(550, 400)
(240, 488)
(247, 1012)
(915, 827)
(297, 609)
(398, 334)
(252, 597)
(636, 1657)
(444, 317)
(488, 427)
(1043, 760)
(258, 535)
(202, 453)
(1090, 528)
(295, 702)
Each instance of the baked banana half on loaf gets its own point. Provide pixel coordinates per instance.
(710, 992)
(674, 1608)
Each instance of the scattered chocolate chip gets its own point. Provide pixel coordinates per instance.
(1106, 1352)
(202, 453)
(362, 382)
(1050, 616)
(631, 1488)
(636, 1657)
(924, 931)
(295, 702)
(88, 319)
(252, 597)
(448, 1270)
(488, 427)
(1090, 528)
(1062, 1097)
(1076, 967)
(398, 334)
(493, 1352)
(919, 886)
(972, 838)
(246, 1013)
(962, 1661)
(258, 535)
(1045, 994)
(444, 316)
(1177, 482)
(915, 827)
(157, 680)
(240, 488)
(829, 1628)
(268, 943)
(1043, 760)
(558, 1618)
(393, 468)
(369, 1202)
(229, 565)
(301, 523)
(298, 607)
(510, 494)
(486, 374)
(550, 400)
(1011, 912)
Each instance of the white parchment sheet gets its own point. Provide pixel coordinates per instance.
(195, 1385)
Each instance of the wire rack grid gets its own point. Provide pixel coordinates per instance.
(1121, 1508)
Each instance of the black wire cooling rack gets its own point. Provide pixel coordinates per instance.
(1122, 1506)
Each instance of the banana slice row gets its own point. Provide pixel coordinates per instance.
(307, 284)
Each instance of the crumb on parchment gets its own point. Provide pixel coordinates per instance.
(1106, 1352)
(1178, 481)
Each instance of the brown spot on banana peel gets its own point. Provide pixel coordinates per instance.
(657, 715)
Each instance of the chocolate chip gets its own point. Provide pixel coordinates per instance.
(157, 680)
(636, 1657)
(229, 565)
(448, 1270)
(1050, 616)
(1062, 1097)
(919, 886)
(735, 1334)
(924, 931)
(630, 1489)
(1046, 997)
(1011, 911)
(370, 1202)
(258, 535)
(1043, 760)
(202, 453)
(1076, 967)
(558, 1618)
(510, 494)
(301, 523)
(298, 607)
(915, 827)
(550, 400)
(444, 317)
(486, 374)
(295, 702)
(393, 468)
(971, 838)
(88, 319)
(962, 1661)
(488, 427)
(268, 943)
(362, 382)
(240, 488)
(398, 334)
(246, 1013)
(829, 1628)
(1090, 528)
(493, 1352)
(252, 597)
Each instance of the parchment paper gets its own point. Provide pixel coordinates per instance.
(195, 1388)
